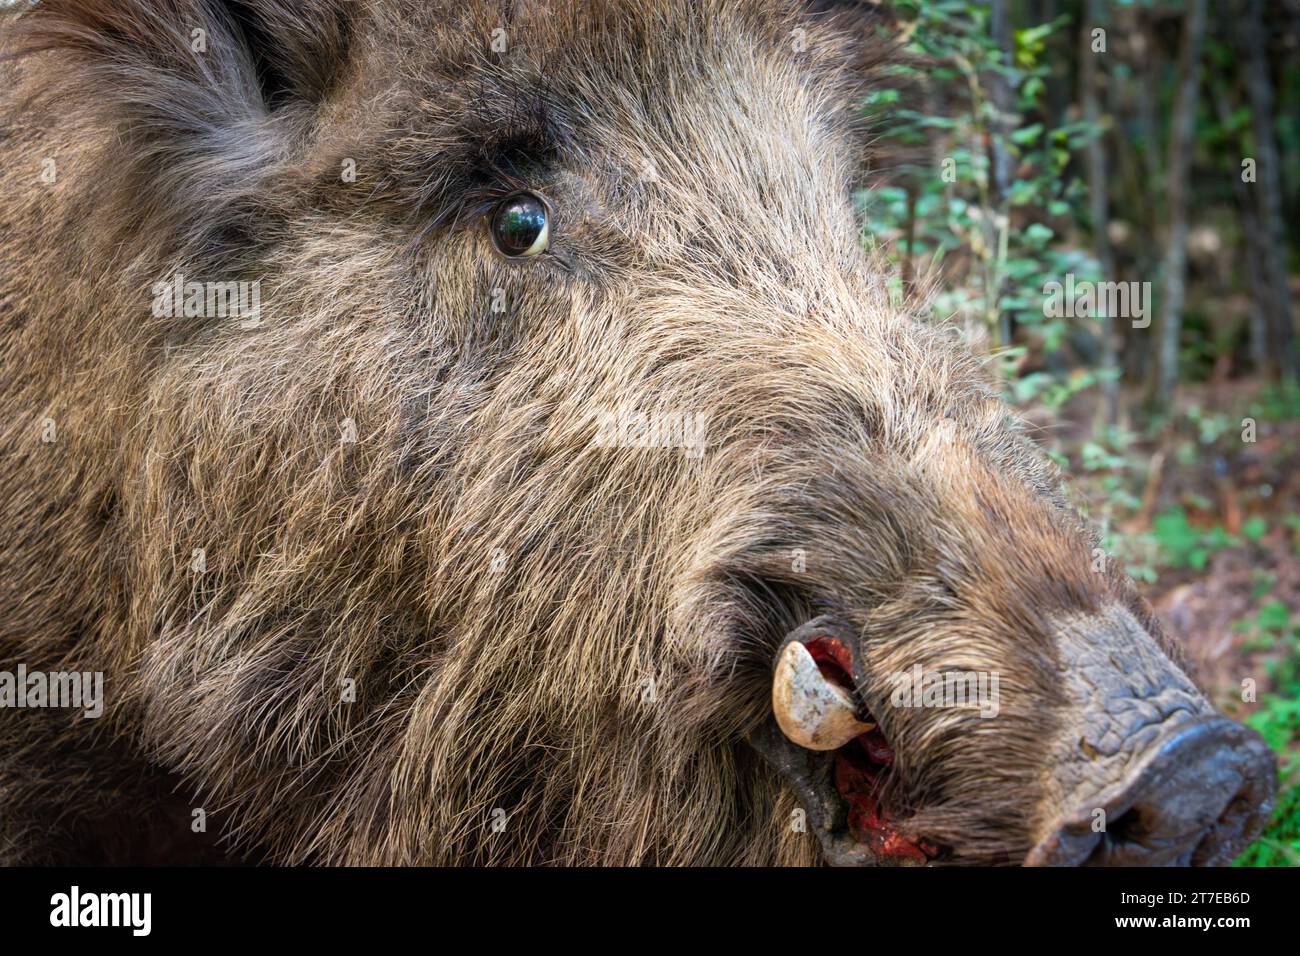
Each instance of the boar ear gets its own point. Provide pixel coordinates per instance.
(188, 93)
(243, 55)
(298, 47)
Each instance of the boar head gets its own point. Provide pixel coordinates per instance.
(576, 434)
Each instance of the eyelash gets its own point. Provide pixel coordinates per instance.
(494, 179)
(475, 203)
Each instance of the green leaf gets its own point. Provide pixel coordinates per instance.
(1254, 528)
(1274, 616)
(1038, 234)
(1027, 135)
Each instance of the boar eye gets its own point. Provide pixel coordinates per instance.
(521, 226)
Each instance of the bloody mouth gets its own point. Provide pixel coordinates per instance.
(860, 769)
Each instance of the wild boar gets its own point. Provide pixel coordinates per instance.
(474, 433)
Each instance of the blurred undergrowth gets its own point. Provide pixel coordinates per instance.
(1024, 147)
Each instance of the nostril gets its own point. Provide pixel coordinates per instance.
(1240, 809)
(1129, 827)
(1199, 797)
(1126, 838)
(1240, 816)
(1147, 834)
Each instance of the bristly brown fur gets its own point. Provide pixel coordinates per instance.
(501, 590)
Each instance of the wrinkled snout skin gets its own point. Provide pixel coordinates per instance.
(1179, 785)
(452, 559)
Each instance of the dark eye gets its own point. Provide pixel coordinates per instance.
(521, 226)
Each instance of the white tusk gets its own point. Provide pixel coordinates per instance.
(812, 711)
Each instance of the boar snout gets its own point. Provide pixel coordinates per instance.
(1145, 770)
(1197, 797)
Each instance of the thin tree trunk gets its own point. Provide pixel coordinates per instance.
(1251, 254)
(909, 285)
(1000, 25)
(1141, 171)
(1182, 139)
(1268, 188)
(1058, 81)
(1000, 161)
(1260, 354)
(1149, 96)
(1098, 201)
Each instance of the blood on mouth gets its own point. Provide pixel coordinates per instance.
(860, 768)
